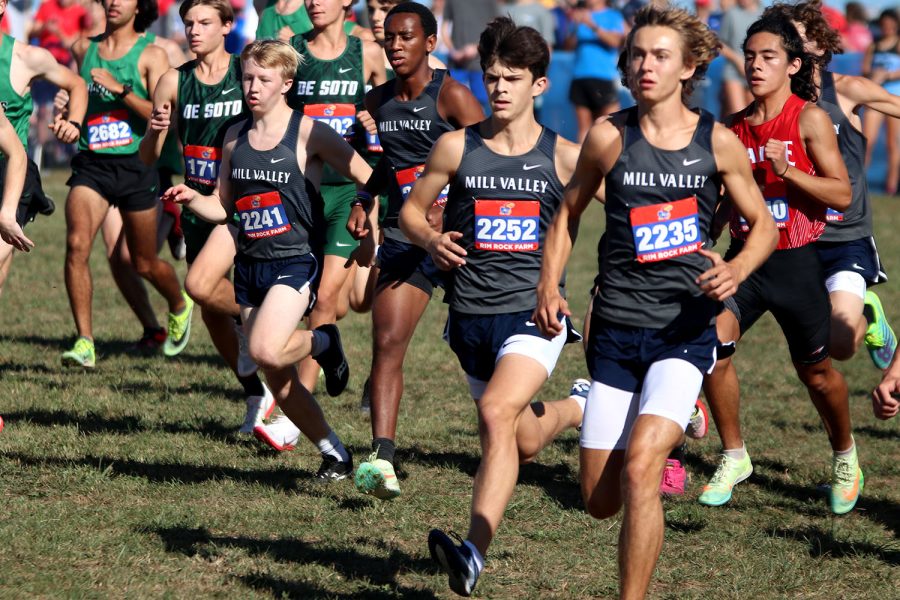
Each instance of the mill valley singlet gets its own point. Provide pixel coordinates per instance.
(659, 209)
(800, 220)
(503, 206)
(205, 113)
(408, 131)
(332, 91)
(17, 107)
(856, 222)
(279, 209)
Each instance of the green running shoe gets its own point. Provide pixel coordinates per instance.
(179, 328)
(81, 355)
(376, 477)
(880, 339)
(847, 482)
(731, 472)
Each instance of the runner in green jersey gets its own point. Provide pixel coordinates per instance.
(21, 65)
(330, 88)
(205, 96)
(14, 161)
(282, 19)
(121, 70)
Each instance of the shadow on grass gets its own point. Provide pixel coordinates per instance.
(92, 423)
(823, 544)
(349, 563)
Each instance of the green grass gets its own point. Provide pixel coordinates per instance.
(130, 481)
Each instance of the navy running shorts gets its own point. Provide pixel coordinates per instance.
(254, 278)
(856, 256)
(402, 262)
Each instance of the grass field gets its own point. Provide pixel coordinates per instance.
(130, 481)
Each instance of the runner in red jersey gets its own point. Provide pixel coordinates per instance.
(797, 164)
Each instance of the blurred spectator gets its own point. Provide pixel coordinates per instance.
(531, 13)
(735, 22)
(881, 64)
(596, 36)
(857, 37)
(464, 20)
(245, 24)
(706, 12)
(441, 51)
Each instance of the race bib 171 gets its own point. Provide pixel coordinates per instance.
(666, 230)
(201, 164)
(109, 130)
(507, 225)
(262, 215)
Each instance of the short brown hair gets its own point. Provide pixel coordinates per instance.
(514, 46)
(273, 54)
(223, 7)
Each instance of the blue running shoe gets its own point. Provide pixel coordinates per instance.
(880, 339)
(457, 560)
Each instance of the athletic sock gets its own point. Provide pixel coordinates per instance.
(252, 385)
(581, 402)
(332, 446)
(848, 451)
(320, 342)
(384, 448)
(479, 559)
(737, 453)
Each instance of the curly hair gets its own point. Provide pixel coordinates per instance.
(519, 47)
(699, 45)
(802, 83)
(147, 12)
(809, 14)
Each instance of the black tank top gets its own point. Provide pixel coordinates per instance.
(659, 208)
(856, 222)
(407, 131)
(503, 206)
(280, 211)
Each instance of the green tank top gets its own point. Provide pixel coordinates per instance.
(332, 91)
(170, 157)
(205, 113)
(270, 22)
(17, 107)
(111, 127)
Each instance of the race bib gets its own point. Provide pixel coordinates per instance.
(833, 216)
(407, 177)
(340, 117)
(507, 225)
(109, 130)
(201, 164)
(262, 215)
(667, 230)
(778, 208)
(373, 143)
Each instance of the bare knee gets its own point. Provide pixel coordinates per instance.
(818, 377)
(641, 476)
(78, 248)
(602, 505)
(264, 355)
(494, 416)
(198, 288)
(143, 265)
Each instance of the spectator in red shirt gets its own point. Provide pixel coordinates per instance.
(57, 24)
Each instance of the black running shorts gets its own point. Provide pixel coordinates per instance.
(123, 180)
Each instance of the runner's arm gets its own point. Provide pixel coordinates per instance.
(334, 150)
(373, 63)
(165, 104)
(13, 184)
(864, 92)
(885, 403)
(457, 105)
(40, 62)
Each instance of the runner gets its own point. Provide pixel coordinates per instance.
(331, 88)
(847, 247)
(795, 156)
(12, 172)
(411, 112)
(506, 176)
(652, 334)
(205, 95)
(283, 19)
(263, 179)
(378, 11)
(20, 66)
(121, 70)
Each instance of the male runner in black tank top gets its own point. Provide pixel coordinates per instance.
(506, 176)
(269, 171)
(652, 333)
(412, 112)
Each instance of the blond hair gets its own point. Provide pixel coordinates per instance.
(274, 54)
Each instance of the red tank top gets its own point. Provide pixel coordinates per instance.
(799, 218)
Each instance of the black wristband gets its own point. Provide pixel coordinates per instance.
(783, 172)
(364, 199)
(76, 124)
(126, 89)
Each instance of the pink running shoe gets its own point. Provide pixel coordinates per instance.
(673, 479)
(699, 423)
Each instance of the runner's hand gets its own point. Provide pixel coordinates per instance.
(546, 316)
(364, 255)
(161, 117)
(104, 78)
(358, 223)
(65, 132)
(12, 234)
(721, 280)
(367, 121)
(179, 194)
(884, 401)
(285, 34)
(776, 154)
(445, 252)
(61, 103)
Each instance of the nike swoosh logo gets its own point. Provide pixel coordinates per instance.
(529, 167)
(276, 160)
(530, 324)
(342, 245)
(342, 71)
(283, 277)
(418, 108)
(858, 268)
(228, 91)
(688, 163)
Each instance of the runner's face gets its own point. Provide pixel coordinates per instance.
(809, 46)
(656, 64)
(405, 43)
(119, 12)
(263, 88)
(204, 29)
(511, 90)
(377, 12)
(766, 64)
(325, 12)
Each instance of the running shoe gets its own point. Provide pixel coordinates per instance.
(151, 341)
(880, 339)
(259, 408)
(179, 328)
(580, 389)
(333, 361)
(698, 424)
(456, 560)
(376, 477)
(280, 434)
(673, 479)
(847, 482)
(731, 472)
(365, 402)
(333, 469)
(246, 366)
(81, 355)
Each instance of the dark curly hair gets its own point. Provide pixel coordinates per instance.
(514, 46)
(802, 83)
(818, 30)
(147, 12)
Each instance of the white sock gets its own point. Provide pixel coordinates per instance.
(736, 453)
(479, 559)
(848, 451)
(332, 446)
(581, 402)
